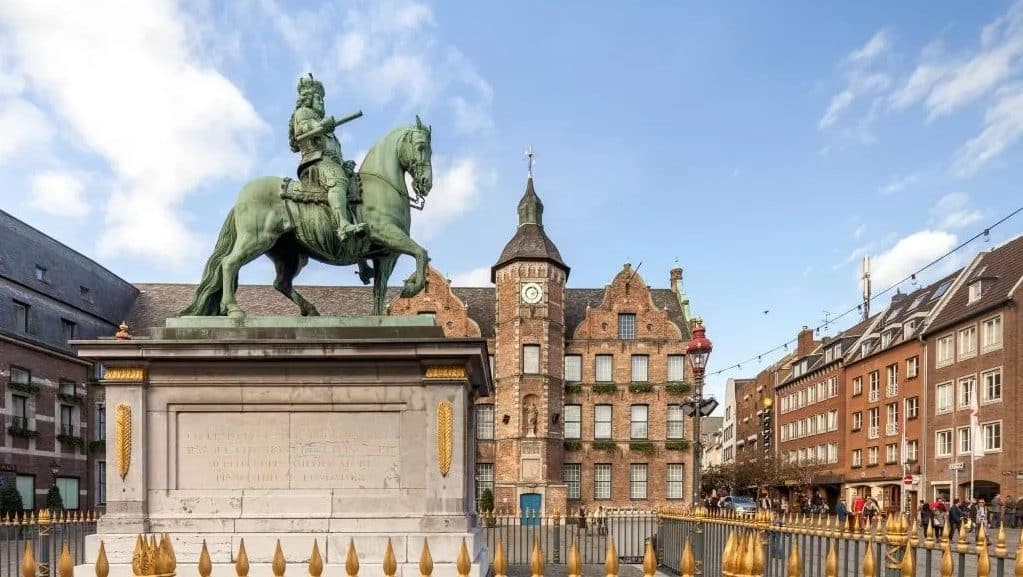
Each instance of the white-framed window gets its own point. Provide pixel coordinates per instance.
(531, 359)
(637, 480)
(21, 316)
(967, 388)
(67, 420)
(964, 440)
(573, 368)
(676, 368)
(892, 423)
(891, 453)
(832, 387)
(912, 407)
(484, 479)
(639, 424)
(68, 487)
(26, 485)
(20, 411)
(975, 292)
(573, 473)
(573, 421)
(676, 422)
(857, 458)
(875, 386)
(912, 367)
(992, 385)
(802, 398)
(833, 420)
(857, 388)
(101, 482)
(945, 351)
(991, 334)
(602, 421)
(626, 326)
(676, 480)
(602, 368)
(943, 443)
(968, 342)
(886, 338)
(602, 481)
(872, 455)
(943, 398)
(857, 420)
(640, 364)
(992, 433)
(912, 450)
(832, 452)
(811, 395)
(874, 422)
(892, 387)
(484, 422)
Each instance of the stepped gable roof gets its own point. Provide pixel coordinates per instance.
(1000, 271)
(530, 241)
(156, 302)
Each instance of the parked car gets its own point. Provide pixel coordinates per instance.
(741, 505)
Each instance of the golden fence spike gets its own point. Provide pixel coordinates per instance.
(981, 538)
(278, 565)
(163, 558)
(686, 563)
(649, 559)
(983, 561)
(908, 563)
(65, 566)
(536, 559)
(794, 564)
(170, 552)
(727, 568)
(390, 563)
(831, 561)
(928, 536)
(136, 556)
(1018, 572)
(961, 546)
(205, 564)
(425, 560)
(1000, 549)
(869, 568)
(102, 563)
(499, 563)
(462, 563)
(575, 567)
(758, 554)
(28, 561)
(315, 560)
(241, 561)
(352, 559)
(946, 567)
(611, 560)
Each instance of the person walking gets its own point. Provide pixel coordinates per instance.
(938, 519)
(983, 514)
(1009, 508)
(842, 512)
(996, 510)
(955, 519)
(926, 516)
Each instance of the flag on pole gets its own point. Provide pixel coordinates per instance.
(978, 440)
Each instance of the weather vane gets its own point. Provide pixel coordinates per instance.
(529, 156)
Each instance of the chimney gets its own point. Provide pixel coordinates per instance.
(804, 343)
(676, 280)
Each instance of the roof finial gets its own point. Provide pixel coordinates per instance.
(529, 157)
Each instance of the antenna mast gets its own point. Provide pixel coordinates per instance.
(865, 278)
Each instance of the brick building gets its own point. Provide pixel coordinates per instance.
(972, 364)
(588, 381)
(752, 397)
(50, 294)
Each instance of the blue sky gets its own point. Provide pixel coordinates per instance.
(766, 147)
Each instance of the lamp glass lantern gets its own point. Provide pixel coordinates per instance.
(699, 348)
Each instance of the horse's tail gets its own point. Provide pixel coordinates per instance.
(206, 301)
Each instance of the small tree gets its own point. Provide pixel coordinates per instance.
(54, 502)
(10, 502)
(486, 503)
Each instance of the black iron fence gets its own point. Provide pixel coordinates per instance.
(628, 530)
(45, 534)
(763, 545)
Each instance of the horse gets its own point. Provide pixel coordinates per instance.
(262, 222)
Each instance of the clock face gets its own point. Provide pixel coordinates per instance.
(531, 293)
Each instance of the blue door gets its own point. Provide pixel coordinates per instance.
(529, 506)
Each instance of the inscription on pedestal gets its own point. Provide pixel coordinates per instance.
(315, 450)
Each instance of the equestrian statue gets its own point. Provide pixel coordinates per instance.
(331, 212)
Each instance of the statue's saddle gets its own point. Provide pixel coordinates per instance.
(308, 190)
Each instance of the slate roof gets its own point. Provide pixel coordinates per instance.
(530, 241)
(157, 302)
(848, 338)
(1000, 270)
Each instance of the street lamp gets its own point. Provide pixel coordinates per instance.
(699, 350)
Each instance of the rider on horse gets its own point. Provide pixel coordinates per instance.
(310, 134)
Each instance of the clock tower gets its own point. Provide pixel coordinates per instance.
(530, 341)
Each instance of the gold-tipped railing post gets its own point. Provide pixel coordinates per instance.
(352, 559)
(102, 563)
(575, 566)
(501, 567)
(278, 565)
(611, 560)
(426, 560)
(315, 560)
(649, 559)
(391, 563)
(241, 561)
(794, 565)
(687, 564)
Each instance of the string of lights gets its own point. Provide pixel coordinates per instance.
(985, 233)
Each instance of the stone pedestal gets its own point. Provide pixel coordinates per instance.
(293, 429)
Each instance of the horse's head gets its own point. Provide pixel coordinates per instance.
(416, 155)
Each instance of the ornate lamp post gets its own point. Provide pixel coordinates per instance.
(699, 350)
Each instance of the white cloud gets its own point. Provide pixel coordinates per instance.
(860, 231)
(456, 185)
(1003, 126)
(900, 183)
(476, 277)
(952, 212)
(24, 127)
(874, 47)
(839, 103)
(860, 81)
(126, 83)
(59, 192)
(909, 254)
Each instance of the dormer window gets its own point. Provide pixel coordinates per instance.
(975, 292)
(886, 338)
(40, 273)
(865, 348)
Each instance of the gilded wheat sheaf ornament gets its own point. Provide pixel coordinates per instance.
(122, 438)
(445, 420)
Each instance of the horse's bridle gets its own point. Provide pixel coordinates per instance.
(415, 200)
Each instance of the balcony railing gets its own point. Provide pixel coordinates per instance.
(874, 432)
(892, 389)
(891, 429)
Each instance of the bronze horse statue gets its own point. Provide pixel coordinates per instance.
(290, 232)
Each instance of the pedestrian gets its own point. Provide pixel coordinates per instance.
(842, 512)
(938, 518)
(582, 519)
(955, 519)
(996, 510)
(926, 515)
(870, 511)
(982, 515)
(1019, 512)
(1009, 508)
